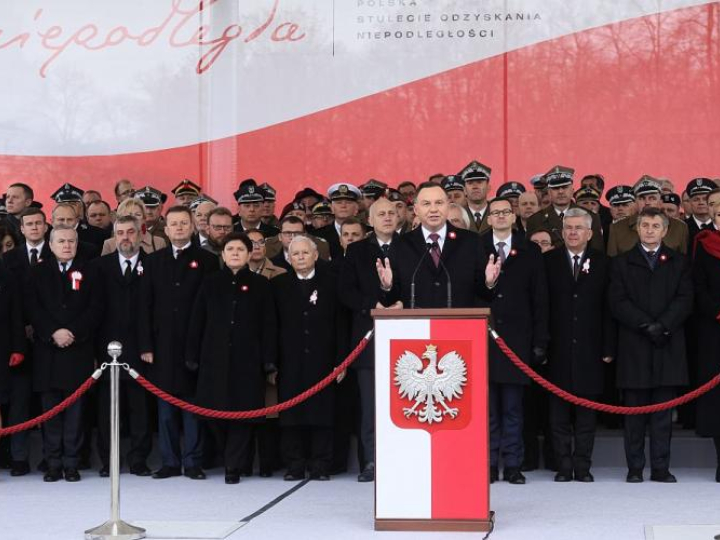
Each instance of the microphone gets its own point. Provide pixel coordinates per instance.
(449, 285)
(428, 247)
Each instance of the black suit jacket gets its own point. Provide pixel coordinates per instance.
(330, 234)
(464, 257)
(12, 337)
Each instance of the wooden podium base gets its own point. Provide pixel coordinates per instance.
(438, 525)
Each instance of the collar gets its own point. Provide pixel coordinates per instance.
(68, 265)
(648, 250)
(133, 261)
(573, 255)
(175, 249)
(202, 239)
(306, 278)
(508, 241)
(39, 248)
(338, 228)
(441, 233)
(476, 209)
(558, 212)
(701, 223)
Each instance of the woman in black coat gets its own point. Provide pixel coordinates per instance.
(12, 333)
(706, 277)
(232, 345)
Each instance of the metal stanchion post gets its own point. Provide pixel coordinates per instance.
(115, 528)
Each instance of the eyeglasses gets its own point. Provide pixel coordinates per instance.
(543, 243)
(504, 213)
(258, 243)
(219, 228)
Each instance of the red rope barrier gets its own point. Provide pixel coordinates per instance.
(57, 409)
(602, 407)
(256, 413)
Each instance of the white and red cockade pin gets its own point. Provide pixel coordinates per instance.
(244, 288)
(452, 235)
(139, 268)
(663, 258)
(75, 279)
(314, 297)
(586, 266)
(193, 264)
(513, 252)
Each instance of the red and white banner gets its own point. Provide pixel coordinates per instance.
(298, 92)
(431, 453)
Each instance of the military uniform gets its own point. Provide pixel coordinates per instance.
(624, 236)
(548, 219)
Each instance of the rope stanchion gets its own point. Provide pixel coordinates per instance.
(60, 407)
(594, 405)
(256, 413)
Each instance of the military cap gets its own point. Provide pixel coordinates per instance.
(538, 181)
(671, 198)
(322, 208)
(599, 180)
(587, 193)
(36, 204)
(292, 207)
(510, 189)
(341, 191)
(150, 196)
(185, 187)
(308, 192)
(559, 176)
(269, 192)
(646, 185)
(395, 196)
(67, 193)
(700, 186)
(453, 183)
(249, 192)
(3, 206)
(475, 171)
(620, 195)
(373, 188)
(203, 199)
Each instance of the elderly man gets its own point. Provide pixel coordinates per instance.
(65, 307)
(201, 208)
(650, 296)
(311, 344)
(64, 215)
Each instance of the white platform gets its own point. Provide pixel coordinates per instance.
(342, 508)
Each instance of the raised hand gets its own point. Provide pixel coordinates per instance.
(384, 273)
(492, 270)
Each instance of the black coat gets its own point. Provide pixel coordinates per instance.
(92, 235)
(519, 307)
(360, 291)
(330, 234)
(464, 258)
(12, 337)
(52, 305)
(706, 277)
(233, 339)
(581, 327)
(168, 290)
(693, 231)
(122, 303)
(311, 342)
(639, 295)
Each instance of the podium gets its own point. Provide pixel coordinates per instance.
(431, 420)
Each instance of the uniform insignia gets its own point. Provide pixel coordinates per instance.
(430, 388)
(314, 297)
(343, 188)
(251, 190)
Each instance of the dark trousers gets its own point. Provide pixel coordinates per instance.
(233, 442)
(19, 411)
(347, 419)
(535, 424)
(366, 386)
(660, 424)
(133, 401)
(62, 435)
(169, 431)
(266, 437)
(571, 424)
(307, 448)
(506, 425)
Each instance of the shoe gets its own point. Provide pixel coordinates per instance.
(140, 470)
(53, 475)
(265, 474)
(195, 473)
(634, 476)
(319, 476)
(19, 468)
(368, 474)
(293, 477)
(664, 477)
(166, 472)
(232, 476)
(494, 475)
(104, 471)
(584, 476)
(72, 475)
(514, 476)
(563, 477)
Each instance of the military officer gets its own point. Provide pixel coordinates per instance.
(477, 185)
(344, 201)
(186, 192)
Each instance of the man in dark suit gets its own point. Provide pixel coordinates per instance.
(18, 198)
(172, 279)
(19, 261)
(581, 339)
(360, 293)
(120, 274)
(651, 296)
(344, 201)
(519, 310)
(65, 306)
(250, 199)
(65, 215)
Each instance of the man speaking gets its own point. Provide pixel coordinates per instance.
(437, 265)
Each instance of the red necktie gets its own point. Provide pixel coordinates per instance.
(435, 249)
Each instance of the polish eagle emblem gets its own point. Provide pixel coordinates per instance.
(431, 387)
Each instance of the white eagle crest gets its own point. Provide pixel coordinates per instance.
(437, 383)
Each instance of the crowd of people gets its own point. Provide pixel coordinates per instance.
(236, 309)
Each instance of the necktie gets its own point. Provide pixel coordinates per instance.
(178, 252)
(64, 268)
(501, 251)
(128, 270)
(478, 219)
(651, 256)
(562, 216)
(576, 266)
(385, 249)
(435, 249)
(33, 256)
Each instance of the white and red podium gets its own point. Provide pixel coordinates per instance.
(432, 431)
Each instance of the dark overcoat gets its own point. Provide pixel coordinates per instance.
(12, 336)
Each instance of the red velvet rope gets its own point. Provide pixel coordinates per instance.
(256, 413)
(602, 407)
(57, 409)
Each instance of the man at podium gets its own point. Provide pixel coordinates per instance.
(437, 265)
